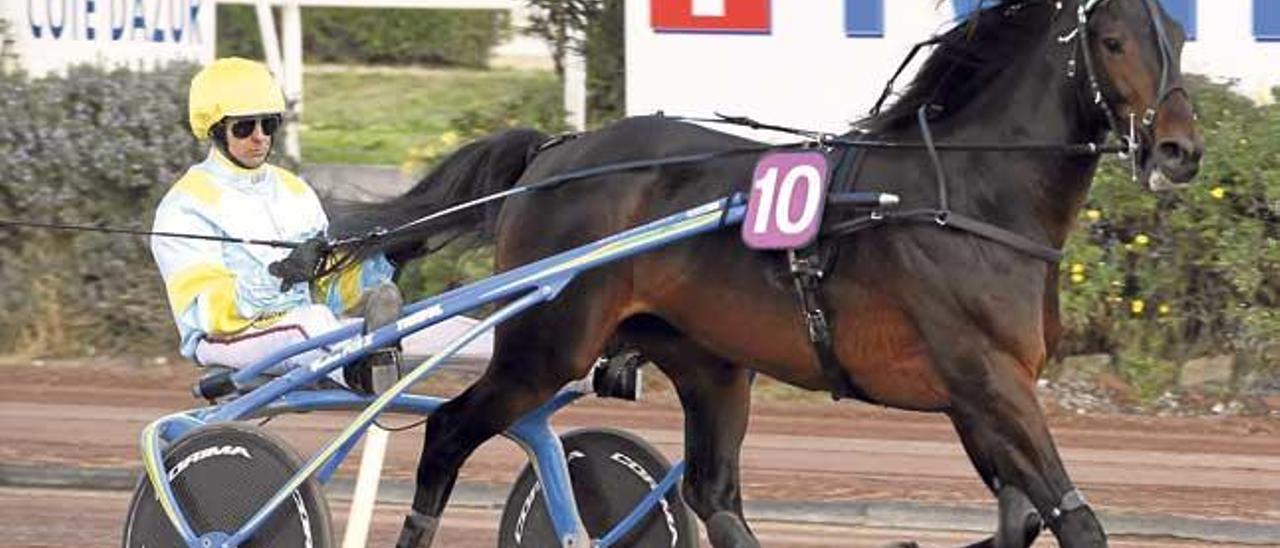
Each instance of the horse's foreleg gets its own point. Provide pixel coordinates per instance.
(716, 396)
(1018, 522)
(998, 418)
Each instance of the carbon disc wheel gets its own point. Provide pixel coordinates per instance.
(611, 471)
(221, 475)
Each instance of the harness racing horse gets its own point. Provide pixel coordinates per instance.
(924, 317)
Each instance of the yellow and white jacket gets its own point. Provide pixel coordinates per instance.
(223, 288)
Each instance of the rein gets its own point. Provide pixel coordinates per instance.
(942, 215)
(139, 232)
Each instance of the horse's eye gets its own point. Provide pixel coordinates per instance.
(1113, 45)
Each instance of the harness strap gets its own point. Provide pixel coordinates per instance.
(807, 275)
(808, 266)
(951, 220)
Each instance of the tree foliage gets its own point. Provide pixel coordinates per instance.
(596, 30)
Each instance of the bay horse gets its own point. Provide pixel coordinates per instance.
(924, 318)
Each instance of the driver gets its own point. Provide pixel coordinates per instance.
(233, 303)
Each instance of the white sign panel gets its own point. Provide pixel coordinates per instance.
(821, 64)
(52, 34)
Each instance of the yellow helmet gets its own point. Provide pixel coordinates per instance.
(231, 87)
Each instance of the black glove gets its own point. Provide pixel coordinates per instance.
(302, 264)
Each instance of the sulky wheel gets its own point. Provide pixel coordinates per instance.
(222, 474)
(611, 472)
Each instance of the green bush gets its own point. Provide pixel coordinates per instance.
(1153, 278)
(95, 146)
(382, 36)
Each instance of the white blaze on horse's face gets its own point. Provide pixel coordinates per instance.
(1133, 54)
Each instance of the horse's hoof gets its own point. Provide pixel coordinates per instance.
(417, 531)
(726, 530)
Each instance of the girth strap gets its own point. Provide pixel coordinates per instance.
(807, 273)
(808, 266)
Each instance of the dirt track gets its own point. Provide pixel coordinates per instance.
(1221, 468)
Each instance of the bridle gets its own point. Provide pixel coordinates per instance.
(1080, 35)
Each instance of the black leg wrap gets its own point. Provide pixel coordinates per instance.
(1020, 523)
(619, 377)
(726, 530)
(417, 531)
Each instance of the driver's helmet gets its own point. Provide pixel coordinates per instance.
(232, 87)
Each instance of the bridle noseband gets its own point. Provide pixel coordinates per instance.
(1081, 35)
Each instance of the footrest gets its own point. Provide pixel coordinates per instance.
(214, 385)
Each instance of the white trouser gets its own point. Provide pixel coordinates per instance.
(248, 347)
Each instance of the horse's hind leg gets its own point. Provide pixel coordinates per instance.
(716, 396)
(534, 356)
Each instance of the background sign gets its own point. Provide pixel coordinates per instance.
(747, 16)
(52, 34)
(821, 64)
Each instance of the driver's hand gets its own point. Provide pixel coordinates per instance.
(302, 264)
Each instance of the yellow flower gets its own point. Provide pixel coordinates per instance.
(1141, 239)
(1077, 278)
(1218, 192)
(448, 138)
(1164, 310)
(1093, 214)
(1077, 268)
(1137, 306)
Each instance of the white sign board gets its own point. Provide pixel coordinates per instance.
(820, 64)
(49, 35)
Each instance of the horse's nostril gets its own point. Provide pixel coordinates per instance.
(1171, 151)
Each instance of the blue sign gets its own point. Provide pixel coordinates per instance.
(1266, 20)
(163, 21)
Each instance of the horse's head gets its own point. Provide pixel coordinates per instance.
(1132, 51)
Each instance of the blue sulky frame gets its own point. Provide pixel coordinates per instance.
(526, 286)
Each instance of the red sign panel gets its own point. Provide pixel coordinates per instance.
(748, 16)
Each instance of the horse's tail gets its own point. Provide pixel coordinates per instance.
(480, 168)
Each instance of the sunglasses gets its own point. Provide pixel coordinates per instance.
(242, 128)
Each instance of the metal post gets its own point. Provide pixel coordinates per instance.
(267, 31)
(575, 83)
(366, 492)
(291, 34)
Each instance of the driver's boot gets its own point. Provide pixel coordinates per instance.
(381, 369)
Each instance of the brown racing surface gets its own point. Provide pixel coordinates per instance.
(1219, 467)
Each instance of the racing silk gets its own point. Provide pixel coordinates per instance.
(223, 288)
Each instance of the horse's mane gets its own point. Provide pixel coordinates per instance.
(966, 59)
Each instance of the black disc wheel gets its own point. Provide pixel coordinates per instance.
(221, 475)
(611, 471)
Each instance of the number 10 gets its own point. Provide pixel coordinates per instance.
(780, 212)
